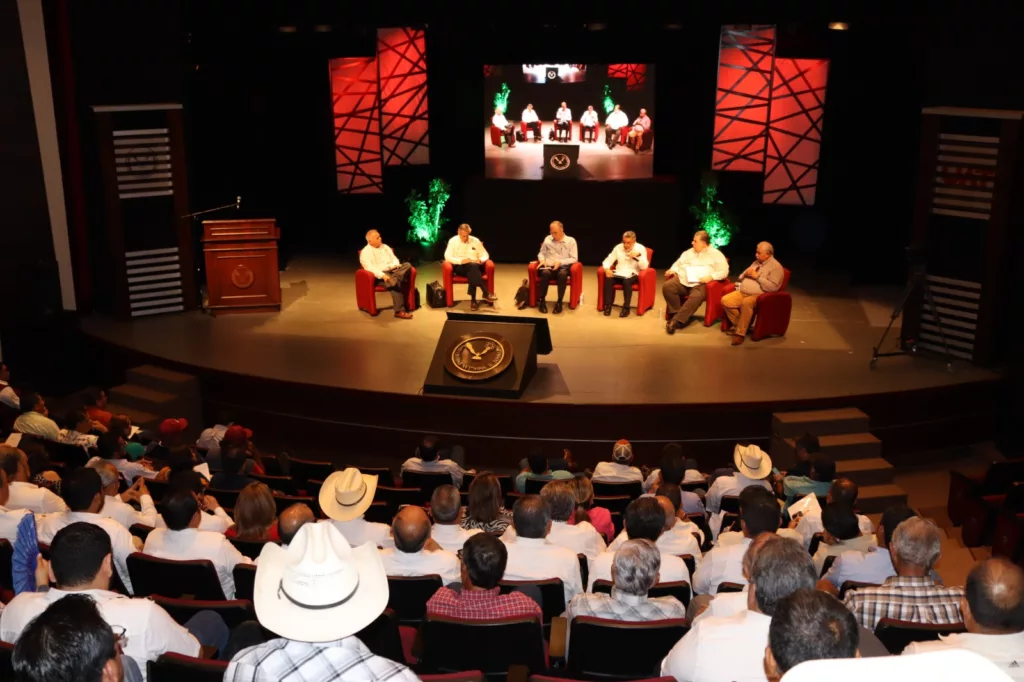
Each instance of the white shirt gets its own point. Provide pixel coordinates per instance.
(690, 476)
(725, 604)
(121, 542)
(862, 567)
(128, 469)
(1006, 651)
(709, 257)
(733, 536)
(473, 249)
(438, 465)
(8, 397)
(192, 543)
(626, 265)
(677, 540)
(581, 538)
(729, 485)
(451, 536)
(35, 424)
(441, 562)
(616, 119)
(721, 565)
(861, 544)
(125, 514)
(613, 472)
(810, 524)
(499, 120)
(210, 438)
(150, 630)
(378, 260)
(942, 666)
(360, 531)
(217, 522)
(727, 649)
(563, 115)
(9, 520)
(536, 559)
(86, 440)
(673, 569)
(33, 498)
(529, 116)
(589, 118)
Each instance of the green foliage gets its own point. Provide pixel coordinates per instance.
(501, 97)
(711, 215)
(425, 219)
(608, 102)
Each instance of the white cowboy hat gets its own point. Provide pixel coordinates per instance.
(752, 461)
(346, 495)
(319, 589)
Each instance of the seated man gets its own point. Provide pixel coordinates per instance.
(482, 567)
(11, 519)
(182, 540)
(763, 276)
(993, 610)
(291, 520)
(620, 470)
(873, 566)
(842, 491)
(77, 433)
(623, 266)
(589, 122)
(817, 482)
(344, 498)
(678, 498)
(677, 538)
(110, 447)
(729, 537)
(581, 538)
(413, 553)
(911, 595)
(34, 419)
(445, 507)
(430, 459)
(557, 254)
(95, 401)
(641, 126)
(115, 506)
(674, 468)
(563, 123)
(8, 396)
(508, 131)
(615, 121)
(230, 477)
(807, 446)
(538, 468)
(378, 258)
(531, 557)
(698, 265)
(808, 625)
(532, 121)
(842, 535)
(21, 493)
(213, 517)
(635, 570)
(753, 466)
(729, 603)
(467, 256)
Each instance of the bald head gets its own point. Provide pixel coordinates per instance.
(291, 520)
(843, 491)
(411, 529)
(108, 475)
(669, 509)
(994, 593)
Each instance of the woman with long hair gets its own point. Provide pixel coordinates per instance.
(255, 515)
(599, 517)
(486, 506)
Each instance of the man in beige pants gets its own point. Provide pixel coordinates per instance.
(764, 275)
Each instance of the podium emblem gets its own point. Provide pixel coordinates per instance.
(242, 277)
(479, 356)
(560, 162)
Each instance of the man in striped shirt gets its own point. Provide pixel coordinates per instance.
(910, 595)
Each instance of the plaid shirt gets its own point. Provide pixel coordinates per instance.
(291, 661)
(481, 604)
(918, 600)
(620, 606)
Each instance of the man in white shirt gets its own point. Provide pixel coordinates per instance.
(809, 625)
(753, 466)
(34, 419)
(213, 517)
(412, 554)
(677, 538)
(428, 460)
(873, 567)
(759, 513)
(78, 434)
(182, 540)
(467, 256)
(620, 470)
(25, 495)
(9, 518)
(531, 557)
(115, 506)
(557, 255)
(445, 507)
(344, 498)
(623, 266)
(8, 396)
(563, 123)
(378, 258)
(688, 277)
(581, 538)
(507, 129)
(841, 535)
(722, 649)
(532, 121)
(291, 520)
(589, 123)
(993, 610)
(612, 125)
(842, 491)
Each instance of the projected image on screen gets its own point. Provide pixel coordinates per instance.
(569, 121)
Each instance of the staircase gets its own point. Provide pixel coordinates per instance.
(152, 394)
(845, 438)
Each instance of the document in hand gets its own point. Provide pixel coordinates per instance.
(807, 505)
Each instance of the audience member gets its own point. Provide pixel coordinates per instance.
(292, 519)
(675, 469)
(445, 507)
(115, 506)
(316, 594)
(538, 468)
(170, 434)
(255, 515)
(34, 419)
(121, 424)
(753, 466)
(182, 540)
(842, 534)
(644, 520)
(77, 432)
(873, 566)
(95, 402)
(599, 517)
(531, 557)
(180, 459)
(430, 459)
(238, 437)
(620, 469)
(413, 553)
(213, 517)
(110, 447)
(729, 603)
(344, 498)
(8, 395)
(581, 538)
(486, 510)
(808, 625)
(676, 496)
(230, 477)
(911, 595)
(807, 446)
(842, 490)
(817, 482)
(677, 537)
(10, 519)
(942, 666)
(25, 495)
(40, 469)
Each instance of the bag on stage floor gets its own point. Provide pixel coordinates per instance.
(520, 137)
(435, 295)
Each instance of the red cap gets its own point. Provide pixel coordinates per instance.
(237, 435)
(172, 427)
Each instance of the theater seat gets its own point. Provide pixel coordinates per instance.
(897, 634)
(645, 287)
(408, 596)
(176, 667)
(234, 611)
(597, 644)
(574, 283)
(772, 312)
(245, 580)
(196, 578)
(451, 279)
(496, 138)
(367, 289)
(491, 646)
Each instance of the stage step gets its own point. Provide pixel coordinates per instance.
(819, 422)
(875, 499)
(157, 394)
(166, 380)
(846, 446)
(146, 421)
(865, 472)
(148, 399)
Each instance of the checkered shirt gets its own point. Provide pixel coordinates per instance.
(620, 606)
(290, 661)
(481, 604)
(918, 600)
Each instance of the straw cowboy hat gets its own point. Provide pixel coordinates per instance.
(346, 495)
(319, 589)
(752, 461)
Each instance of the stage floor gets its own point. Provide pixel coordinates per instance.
(525, 161)
(321, 338)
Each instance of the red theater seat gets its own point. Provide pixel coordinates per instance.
(367, 288)
(645, 287)
(575, 283)
(450, 278)
(772, 313)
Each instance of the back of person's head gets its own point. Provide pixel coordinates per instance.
(916, 542)
(233, 459)
(92, 396)
(77, 552)
(109, 445)
(484, 557)
(291, 520)
(537, 460)
(560, 500)
(759, 511)
(645, 519)
(80, 488)
(107, 471)
(843, 490)
(778, 570)
(121, 425)
(673, 492)
(10, 460)
(995, 597)
(893, 517)
(673, 464)
(445, 504)
(38, 458)
(410, 529)
(810, 625)
(180, 507)
(186, 480)
(73, 418)
(180, 458)
(824, 468)
(68, 642)
(485, 498)
(635, 567)
(583, 490)
(29, 400)
(808, 443)
(255, 511)
(531, 517)
(429, 448)
(840, 521)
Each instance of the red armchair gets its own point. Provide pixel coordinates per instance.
(597, 132)
(568, 133)
(525, 130)
(367, 288)
(713, 293)
(772, 313)
(575, 283)
(496, 137)
(645, 287)
(647, 141)
(450, 279)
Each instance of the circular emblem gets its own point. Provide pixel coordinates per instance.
(560, 162)
(479, 356)
(140, 159)
(242, 277)
(552, 74)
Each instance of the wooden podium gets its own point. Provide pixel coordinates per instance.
(241, 266)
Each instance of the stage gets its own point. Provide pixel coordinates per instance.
(525, 161)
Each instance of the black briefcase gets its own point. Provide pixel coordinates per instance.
(435, 295)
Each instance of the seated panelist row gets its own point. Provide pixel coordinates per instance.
(615, 121)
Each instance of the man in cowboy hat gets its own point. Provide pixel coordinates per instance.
(344, 498)
(753, 466)
(619, 470)
(316, 595)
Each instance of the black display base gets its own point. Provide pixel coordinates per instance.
(509, 384)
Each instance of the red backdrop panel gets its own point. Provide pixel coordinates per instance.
(741, 104)
(794, 131)
(635, 74)
(402, 64)
(356, 103)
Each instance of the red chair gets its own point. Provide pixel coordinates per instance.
(713, 293)
(367, 288)
(772, 312)
(597, 132)
(450, 278)
(496, 137)
(647, 141)
(524, 129)
(645, 287)
(568, 133)
(575, 283)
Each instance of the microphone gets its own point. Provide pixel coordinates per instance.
(238, 203)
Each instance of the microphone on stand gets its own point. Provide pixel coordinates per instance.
(238, 203)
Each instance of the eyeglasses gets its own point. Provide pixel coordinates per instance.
(120, 638)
